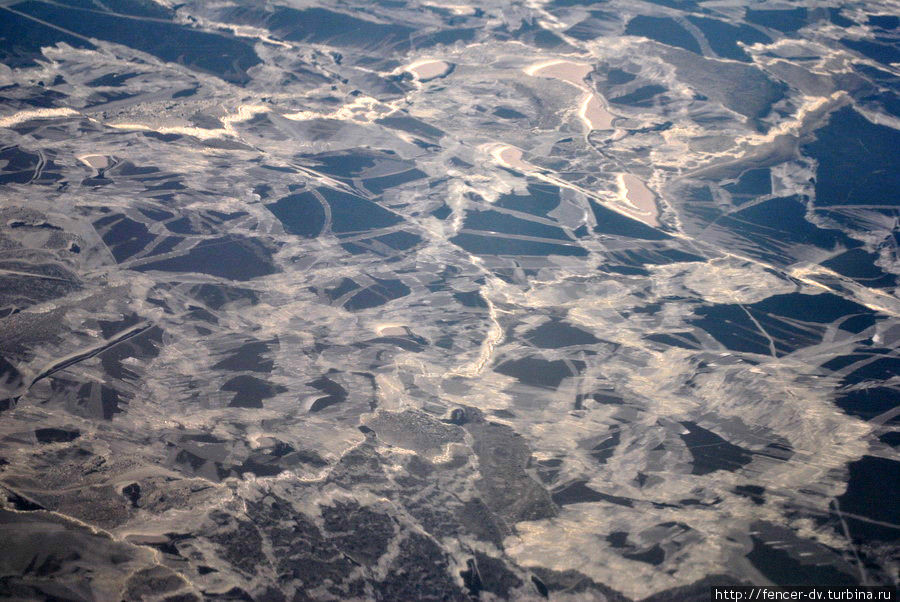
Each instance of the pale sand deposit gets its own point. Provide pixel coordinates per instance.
(456, 9)
(567, 71)
(511, 156)
(595, 115)
(592, 111)
(23, 116)
(95, 161)
(634, 198)
(640, 198)
(243, 113)
(392, 330)
(427, 69)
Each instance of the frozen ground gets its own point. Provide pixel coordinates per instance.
(411, 300)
